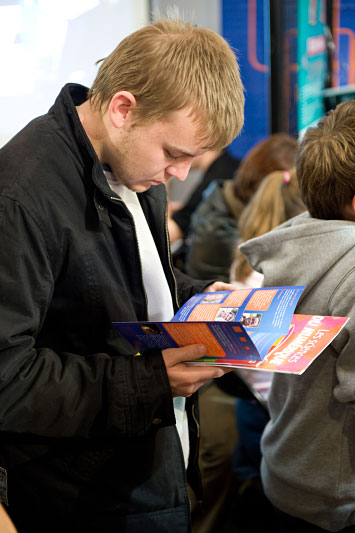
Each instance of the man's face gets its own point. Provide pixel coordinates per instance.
(145, 155)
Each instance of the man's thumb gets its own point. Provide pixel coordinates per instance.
(192, 351)
(174, 356)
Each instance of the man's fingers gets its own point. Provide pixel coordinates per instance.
(173, 356)
(187, 379)
(206, 372)
(219, 286)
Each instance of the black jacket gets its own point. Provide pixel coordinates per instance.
(214, 234)
(87, 430)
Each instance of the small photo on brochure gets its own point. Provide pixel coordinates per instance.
(151, 329)
(251, 320)
(213, 298)
(227, 314)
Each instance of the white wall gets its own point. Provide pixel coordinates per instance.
(206, 13)
(47, 43)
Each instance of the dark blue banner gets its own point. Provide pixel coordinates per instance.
(245, 25)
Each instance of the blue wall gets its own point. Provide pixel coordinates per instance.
(245, 25)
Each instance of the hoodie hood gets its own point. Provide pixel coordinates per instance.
(301, 251)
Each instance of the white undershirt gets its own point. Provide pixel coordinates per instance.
(160, 305)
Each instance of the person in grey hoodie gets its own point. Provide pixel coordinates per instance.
(308, 446)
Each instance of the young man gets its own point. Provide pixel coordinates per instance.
(94, 438)
(308, 467)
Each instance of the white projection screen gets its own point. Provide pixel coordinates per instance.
(47, 43)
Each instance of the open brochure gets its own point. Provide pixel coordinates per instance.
(244, 328)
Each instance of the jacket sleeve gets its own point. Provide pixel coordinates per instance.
(188, 286)
(64, 394)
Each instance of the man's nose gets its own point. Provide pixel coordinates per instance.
(179, 170)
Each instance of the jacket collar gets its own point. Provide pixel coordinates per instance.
(65, 112)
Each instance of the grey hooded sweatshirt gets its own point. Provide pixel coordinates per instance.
(308, 447)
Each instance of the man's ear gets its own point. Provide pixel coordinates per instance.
(121, 109)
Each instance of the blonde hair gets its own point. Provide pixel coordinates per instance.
(326, 163)
(276, 200)
(171, 65)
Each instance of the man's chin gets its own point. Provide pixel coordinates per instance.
(140, 187)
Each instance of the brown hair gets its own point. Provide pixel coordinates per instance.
(276, 200)
(277, 152)
(326, 163)
(171, 65)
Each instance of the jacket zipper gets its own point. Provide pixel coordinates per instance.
(139, 255)
(170, 258)
(193, 405)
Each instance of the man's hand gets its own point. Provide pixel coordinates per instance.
(174, 230)
(187, 379)
(219, 286)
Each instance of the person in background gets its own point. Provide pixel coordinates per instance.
(212, 251)
(94, 435)
(215, 165)
(308, 446)
(214, 229)
(277, 199)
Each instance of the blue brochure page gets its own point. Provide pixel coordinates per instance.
(265, 313)
(226, 342)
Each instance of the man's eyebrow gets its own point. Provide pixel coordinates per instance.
(180, 151)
